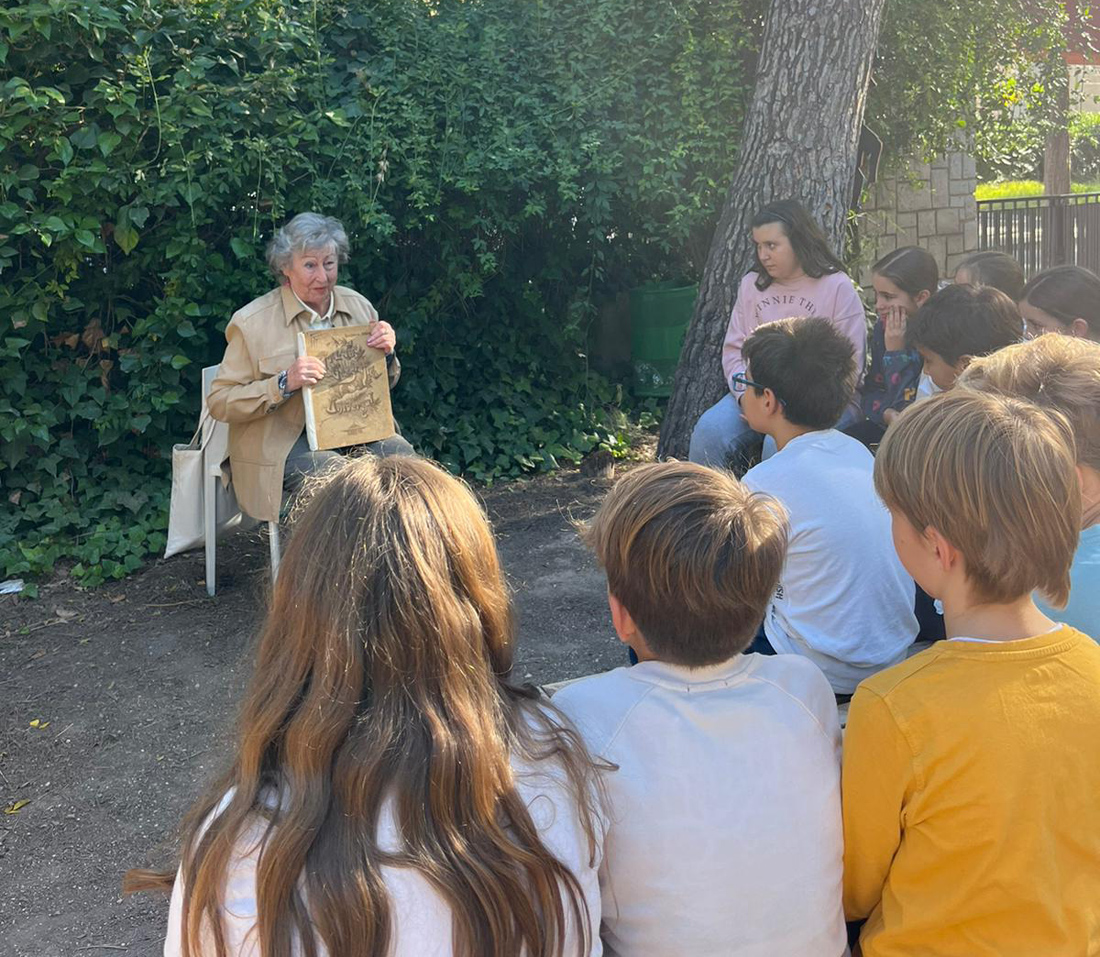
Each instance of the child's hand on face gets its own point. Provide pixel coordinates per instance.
(893, 321)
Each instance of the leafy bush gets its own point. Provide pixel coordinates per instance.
(1084, 138)
(501, 168)
(1012, 147)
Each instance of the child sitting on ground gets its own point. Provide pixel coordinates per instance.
(958, 324)
(843, 600)
(1063, 373)
(724, 832)
(992, 268)
(796, 273)
(391, 792)
(903, 281)
(971, 770)
(1062, 299)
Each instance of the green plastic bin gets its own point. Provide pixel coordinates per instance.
(659, 317)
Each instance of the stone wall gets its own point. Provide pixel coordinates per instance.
(925, 204)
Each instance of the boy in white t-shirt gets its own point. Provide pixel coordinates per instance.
(844, 600)
(723, 833)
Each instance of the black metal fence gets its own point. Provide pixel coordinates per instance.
(1043, 231)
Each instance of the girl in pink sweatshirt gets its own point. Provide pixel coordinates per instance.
(796, 275)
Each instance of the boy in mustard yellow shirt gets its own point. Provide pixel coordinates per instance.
(971, 780)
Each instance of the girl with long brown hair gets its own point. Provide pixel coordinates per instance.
(391, 793)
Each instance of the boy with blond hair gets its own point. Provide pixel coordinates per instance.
(723, 808)
(971, 823)
(1063, 373)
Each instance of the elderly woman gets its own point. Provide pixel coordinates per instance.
(258, 387)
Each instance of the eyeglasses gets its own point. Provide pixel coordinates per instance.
(741, 382)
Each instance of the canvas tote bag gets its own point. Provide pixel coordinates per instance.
(185, 512)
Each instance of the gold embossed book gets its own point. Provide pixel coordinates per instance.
(351, 403)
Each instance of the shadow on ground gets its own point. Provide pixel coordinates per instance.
(134, 687)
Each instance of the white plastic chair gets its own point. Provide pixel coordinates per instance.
(214, 453)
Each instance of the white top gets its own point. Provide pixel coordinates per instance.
(926, 387)
(420, 915)
(724, 834)
(844, 599)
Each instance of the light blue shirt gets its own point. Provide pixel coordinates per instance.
(1083, 609)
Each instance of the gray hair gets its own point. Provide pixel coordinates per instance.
(306, 232)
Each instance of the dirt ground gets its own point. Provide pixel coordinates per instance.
(116, 706)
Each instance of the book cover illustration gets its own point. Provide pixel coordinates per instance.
(351, 404)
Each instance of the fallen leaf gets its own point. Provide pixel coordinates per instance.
(65, 613)
(41, 653)
(117, 598)
(15, 496)
(34, 723)
(16, 806)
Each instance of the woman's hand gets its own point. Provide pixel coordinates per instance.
(307, 370)
(383, 337)
(889, 416)
(893, 321)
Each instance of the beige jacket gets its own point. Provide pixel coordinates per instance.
(263, 426)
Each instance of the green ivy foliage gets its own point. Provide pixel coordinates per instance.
(502, 169)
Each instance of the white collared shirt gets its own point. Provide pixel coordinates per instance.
(316, 320)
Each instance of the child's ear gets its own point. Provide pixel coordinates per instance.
(1079, 328)
(922, 297)
(773, 404)
(962, 363)
(947, 555)
(622, 620)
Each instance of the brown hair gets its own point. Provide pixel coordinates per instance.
(912, 269)
(807, 363)
(996, 269)
(1066, 293)
(1056, 372)
(381, 676)
(808, 242)
(996, 477)
(965, 321)
(693, 555)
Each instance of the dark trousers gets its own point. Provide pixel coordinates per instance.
(302, 462)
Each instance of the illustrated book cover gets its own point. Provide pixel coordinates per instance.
(351, 403)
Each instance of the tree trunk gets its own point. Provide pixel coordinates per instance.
(1056, 155)
(799, 141)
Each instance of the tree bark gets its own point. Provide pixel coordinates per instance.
(1056, 154)
(799, 141)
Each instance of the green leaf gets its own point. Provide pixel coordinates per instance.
(107, 142)
(242, 249)
(126, 237)
(84, 138)
(85, 237)
(178, 361)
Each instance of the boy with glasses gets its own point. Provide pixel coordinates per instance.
(843, 600)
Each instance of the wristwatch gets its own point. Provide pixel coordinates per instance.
(281, 382)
